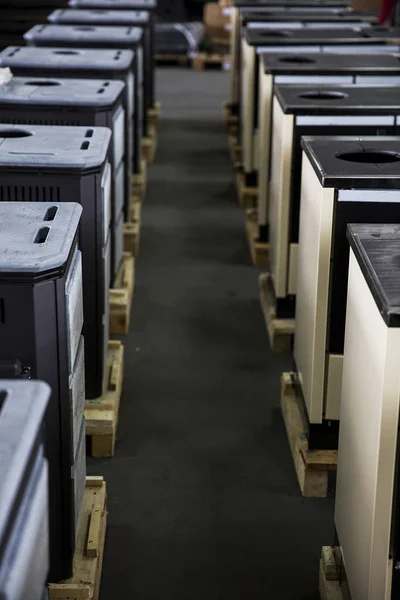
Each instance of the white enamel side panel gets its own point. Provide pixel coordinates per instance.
(266, 84)
(279, 197)
(379, 81)
(360, 48)
(367, 442)
(333, 386)
(74, 307)
(275, 25)
(119, 191)
(107, 285)
(247, 104)
(25, 561)
(314, 79)
(118, 129)
(106, 205)
(78, 475)
(235, 47)
(315, 235)
(77, 395)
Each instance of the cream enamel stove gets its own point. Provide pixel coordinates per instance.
(344, 180)
(270, 8)
(305, 69)
(282, 18)
(291, 41)
(367, 490)
(312, 110)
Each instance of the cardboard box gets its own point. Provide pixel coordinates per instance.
(217, 23)
(372, 5)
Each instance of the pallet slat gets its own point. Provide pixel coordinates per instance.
(102, 414)
(121, 294)
(139, 181)
(153, 115)
(312, 466)
(329, 584)
(235, 151)
(258, 250)
(280, 331)
(85, 582)
(132, 228)
(202, 61)
(149, 144)
(92, 546)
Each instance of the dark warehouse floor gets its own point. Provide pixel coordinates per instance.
(202, 495)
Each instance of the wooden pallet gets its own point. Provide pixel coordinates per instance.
(181, 60)
(312, 466)
(280, 331)
(139, 181)
(102, 414)
(89, 551)
(149, 145)
(120, 296)
(154, 114)
(204, 61)
(329, 575)
(258, 250)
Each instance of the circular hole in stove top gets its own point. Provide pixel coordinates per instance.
(369, 156)
(66, 52)
(297, 60)
(324, 95)
(275, 34)
(14, 133)
(43, 82)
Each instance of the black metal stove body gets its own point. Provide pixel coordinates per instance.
(41, 331)
(40, 163)
(84, 63)
(149, 6)
(97, 103)
(101, 37)
(134, 18)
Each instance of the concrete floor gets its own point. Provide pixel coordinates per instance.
(203, 497)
